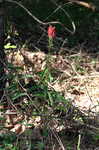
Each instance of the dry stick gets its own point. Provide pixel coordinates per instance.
(39, 21)
(30, 14)
(52, 13)
(57, 138)
(72, 22)
(28, 96)
(86, 76)
(10, 103)
(85, 4)
(88, 93)
(74, 69)
(89, 98)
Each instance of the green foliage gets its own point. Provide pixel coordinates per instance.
(40, 145)
(45, 76)
(7, 142)
(97, 137)
(39, 98)
(9, 46)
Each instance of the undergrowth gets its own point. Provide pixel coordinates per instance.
(50, 99)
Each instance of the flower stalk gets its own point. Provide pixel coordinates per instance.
(51, 35)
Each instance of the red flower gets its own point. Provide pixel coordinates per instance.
(51, 32)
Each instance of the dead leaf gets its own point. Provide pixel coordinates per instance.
(76, 92)
(1, 107)
(17, 129)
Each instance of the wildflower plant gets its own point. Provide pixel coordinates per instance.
(51, 35)
(51, 32)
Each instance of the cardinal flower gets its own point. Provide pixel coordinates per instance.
(51, 32)
(51, 35)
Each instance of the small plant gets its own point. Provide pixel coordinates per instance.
(7, 142)
(40, 145)
(51, 35)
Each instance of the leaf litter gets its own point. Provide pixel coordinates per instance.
(79, 83)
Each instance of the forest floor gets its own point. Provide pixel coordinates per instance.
(51, 98)
(76, 77)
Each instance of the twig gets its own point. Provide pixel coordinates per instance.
(72, 22)
(41, 22)
(28, 96)
(85, 4)
(57, 138)
(79, 139)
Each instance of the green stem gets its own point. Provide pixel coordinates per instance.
(50, 43)
(79, 139)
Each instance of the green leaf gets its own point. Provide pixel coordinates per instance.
(97, 137)
(18, 95)
(11, 66)
(9, 46)
(27, 76)
(2, 118)
(50, 98)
